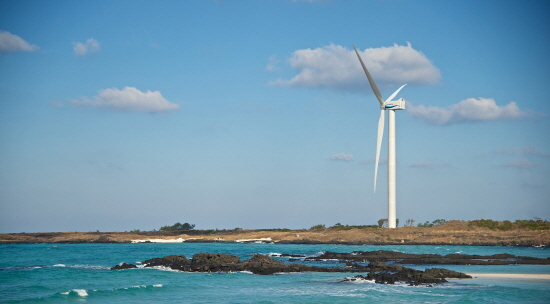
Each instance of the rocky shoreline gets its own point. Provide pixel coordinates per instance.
(382, 267)
(394, 257)
(377, 271)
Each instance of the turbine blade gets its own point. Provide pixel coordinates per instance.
(371, 81)
(379, 144)
(395, 93)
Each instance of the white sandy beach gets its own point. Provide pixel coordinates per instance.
(539, 276)
(180, 240)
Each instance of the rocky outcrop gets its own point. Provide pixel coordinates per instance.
(378, 271)
(431, 259)
(170, 261)
(410, 276)
(123, 266)
(211, 258)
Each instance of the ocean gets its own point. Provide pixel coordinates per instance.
(67, 273)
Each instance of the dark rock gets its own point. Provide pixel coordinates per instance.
(446, 273)
(172, 261)
(214, 258)
(104, 239)
(262, 264)
(430, 259)
(378, 271)
(123, 266)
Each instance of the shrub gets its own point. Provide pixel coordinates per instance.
(339, 226)
(318, 227)
(536, 224)
(437, 222)
(177, 227)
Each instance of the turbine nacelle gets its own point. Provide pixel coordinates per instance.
(394, 105)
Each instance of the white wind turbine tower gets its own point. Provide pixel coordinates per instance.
(389, 106)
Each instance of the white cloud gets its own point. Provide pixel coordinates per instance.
(468, 110)
(273, 63)
(342, 156)
(529, 150)
(10, 43)
(128, 99)
(82, 49)
(521, 164)
(337, 68)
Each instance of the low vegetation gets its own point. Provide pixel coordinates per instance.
(534, 232)
(178, 227)
(339, 226)
(318, 227)
(535, 224)
(437, 222)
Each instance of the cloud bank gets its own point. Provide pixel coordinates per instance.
(128, 99)
(82, 49)
(10, 43)
(342, 156)
(468, 110)
(336, 67)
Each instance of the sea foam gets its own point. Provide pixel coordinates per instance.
(79, 292)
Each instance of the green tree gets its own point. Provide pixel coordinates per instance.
(177, 227)
(439, 222)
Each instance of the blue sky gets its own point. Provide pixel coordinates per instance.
(121, 115)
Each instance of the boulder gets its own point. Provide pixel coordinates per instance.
(123, 266)
(446, 273)
(172, 261)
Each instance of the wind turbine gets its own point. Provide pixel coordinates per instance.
(389, 106)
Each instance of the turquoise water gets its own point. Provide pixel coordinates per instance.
(46, 273)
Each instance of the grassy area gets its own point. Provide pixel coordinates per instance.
(479, 232)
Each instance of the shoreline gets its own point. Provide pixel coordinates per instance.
(244, 241)
(453, 233)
